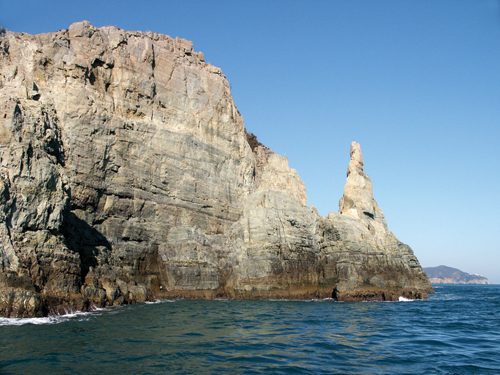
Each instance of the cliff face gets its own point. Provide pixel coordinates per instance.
(449, 275)
(126, 175)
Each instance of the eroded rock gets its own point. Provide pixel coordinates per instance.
(126, 175)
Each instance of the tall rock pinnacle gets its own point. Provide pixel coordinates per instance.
(358, 201)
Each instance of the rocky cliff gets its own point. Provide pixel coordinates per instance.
(126, 175)
(449, 275)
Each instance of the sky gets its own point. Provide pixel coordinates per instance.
(416, 83)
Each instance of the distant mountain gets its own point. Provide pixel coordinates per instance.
(449, 275)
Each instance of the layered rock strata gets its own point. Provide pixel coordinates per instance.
(126, 175)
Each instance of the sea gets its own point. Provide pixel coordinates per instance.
(455, 331)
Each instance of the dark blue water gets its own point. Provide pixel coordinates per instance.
(457, 331)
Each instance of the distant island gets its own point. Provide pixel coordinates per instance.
(449, 275)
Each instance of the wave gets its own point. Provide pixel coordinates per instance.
(53, 319)
(156, 301)
(68, 315)
(403, 299)
(22, 321)
(300, 300)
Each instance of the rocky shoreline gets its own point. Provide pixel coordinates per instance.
(126, 175)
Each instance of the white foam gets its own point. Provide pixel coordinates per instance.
(22, 321)
(155, 301)
(302, 300)
(403, 299)
(69, 314)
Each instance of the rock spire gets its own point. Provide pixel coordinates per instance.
(358, 201)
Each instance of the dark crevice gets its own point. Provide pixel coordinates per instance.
(334, 293)
(153, 63)
(18, 117)
(91, 78)
(85, 240)
(97, 62)
(29, 157)
(54, 145)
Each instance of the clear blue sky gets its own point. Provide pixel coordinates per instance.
(416, 83)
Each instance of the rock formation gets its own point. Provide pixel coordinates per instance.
(449, 275)
(126, 175)
(358, 201)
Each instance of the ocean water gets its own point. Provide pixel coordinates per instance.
(456, 331)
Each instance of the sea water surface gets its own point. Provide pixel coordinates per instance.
(456, 331)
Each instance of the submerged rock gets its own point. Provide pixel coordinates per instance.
(126, 175)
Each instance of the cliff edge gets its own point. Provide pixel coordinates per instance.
(126, 175)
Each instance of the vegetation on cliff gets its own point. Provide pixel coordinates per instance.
(252, 140)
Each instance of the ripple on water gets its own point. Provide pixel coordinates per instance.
(455, 332)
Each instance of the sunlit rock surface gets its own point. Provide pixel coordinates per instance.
(126, 175)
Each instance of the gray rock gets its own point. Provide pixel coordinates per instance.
(126, 175)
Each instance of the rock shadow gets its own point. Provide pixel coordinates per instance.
(84, 239)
